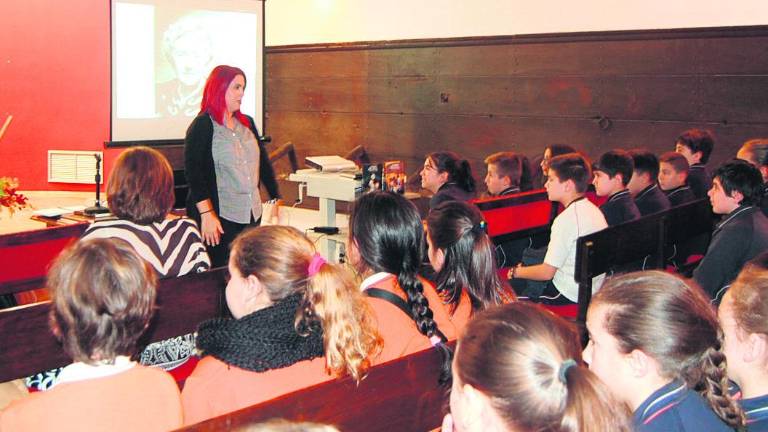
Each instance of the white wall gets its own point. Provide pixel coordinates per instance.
(315, 21)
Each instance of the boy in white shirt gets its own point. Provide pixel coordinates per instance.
(567, 180)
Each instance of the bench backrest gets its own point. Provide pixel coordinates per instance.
(27, 345)
(630, 242)
(401, 395)
(516, 216)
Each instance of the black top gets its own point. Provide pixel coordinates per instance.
(620, 208)
(508, 191)
(680, 195)
(199, 169)
(651, 200)
(742, 235)
(450, 192)
(764, 206)
(699, 180)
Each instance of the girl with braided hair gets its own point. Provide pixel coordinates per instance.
(463, 257)
(386, 247)
(656, 343)
(518, 368)
(743, 315)
(298, 321)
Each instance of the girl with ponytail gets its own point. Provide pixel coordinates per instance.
(656, 343)
(386, 246)
(463, 257)
(448, 177)
(743, 315)
(518, 368)
(298, 321)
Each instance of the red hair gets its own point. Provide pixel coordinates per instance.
(215, 89)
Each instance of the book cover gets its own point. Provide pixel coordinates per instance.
(395, 177)
(372, 177)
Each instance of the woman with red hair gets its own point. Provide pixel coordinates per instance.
(224, 164)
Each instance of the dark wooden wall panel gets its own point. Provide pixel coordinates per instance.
(404, 99)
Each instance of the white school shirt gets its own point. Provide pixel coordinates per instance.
(580, 218)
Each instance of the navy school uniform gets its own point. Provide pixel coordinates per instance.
(676, 408)
(651, 200)
(699, 180)
(680, 195)
(620, 208)
(756, 410)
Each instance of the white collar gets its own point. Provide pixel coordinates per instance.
(373, 280)
(82, 371)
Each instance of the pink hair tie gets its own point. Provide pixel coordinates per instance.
(315, 263)
(435, 339)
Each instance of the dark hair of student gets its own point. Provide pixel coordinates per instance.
(616, 162)
(527, 361)
(572, 166)
(526, 175)
(741, 176)
(698, 140)
(758, 151)
(560, 149)
(645, 162)
(508, 164)
(470, 263)
(388, 232)
(458, 169)
(678, 162)
(674, 323)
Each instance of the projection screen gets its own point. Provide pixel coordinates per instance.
(162, 53)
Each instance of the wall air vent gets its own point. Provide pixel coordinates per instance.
(69, 166)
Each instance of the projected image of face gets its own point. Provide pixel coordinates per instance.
(188, 49)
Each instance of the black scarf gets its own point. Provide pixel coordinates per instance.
(263, 340)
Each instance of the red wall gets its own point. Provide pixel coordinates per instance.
(54, 80)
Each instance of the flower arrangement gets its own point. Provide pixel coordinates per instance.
(9, 198)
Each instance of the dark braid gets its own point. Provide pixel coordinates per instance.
(389, 235)
(713, 387)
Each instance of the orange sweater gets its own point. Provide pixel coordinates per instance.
(215, 388)
(401, 337)
(140, 398)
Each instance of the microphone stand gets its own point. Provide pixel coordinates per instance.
(98, 208)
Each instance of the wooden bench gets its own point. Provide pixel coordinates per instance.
(647, 238)
(27, 345)
(401, 395)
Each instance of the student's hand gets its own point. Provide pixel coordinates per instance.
(211, 228)
(447, 423)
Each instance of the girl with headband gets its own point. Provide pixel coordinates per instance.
(656, 343)
(386, 247)
(298, 321)
(518, 368)
(463, 257)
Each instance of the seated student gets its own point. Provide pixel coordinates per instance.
(140, 194)
(696, 145)
(549, 152)
(643, 187)
(386, 247)
(673, 176)
(463, 257)
(655, 342)
(103, 296)
(504, 172)
(612, 174)
(756, 152)
(448, 177)
(298, 321)
(567, 182)
(736, 187)
(743, 316)
(518, 368)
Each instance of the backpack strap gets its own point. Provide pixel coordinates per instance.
(399, 303)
